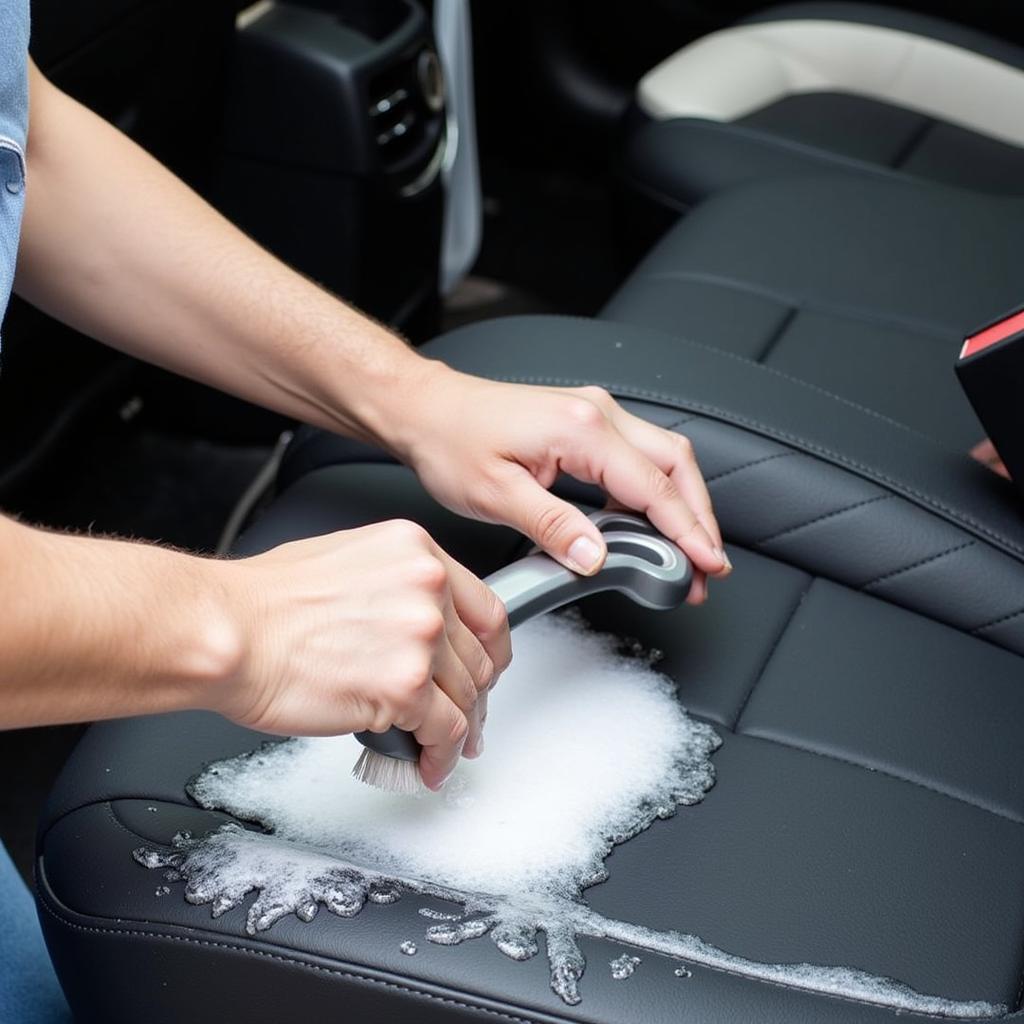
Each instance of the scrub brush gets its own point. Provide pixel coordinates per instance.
(641, 564)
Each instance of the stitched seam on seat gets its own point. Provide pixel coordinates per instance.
(771, 653)
(291, 961)
(913, 143)
(776, 336)
(726, 416)
(750, 465)
(917, 565)
(718, 969)
(118, 823)
(822, 518)
(682, 422)
(998, 622)
(802, 303)
(1004, 815)
(736, 357)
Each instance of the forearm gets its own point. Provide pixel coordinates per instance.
(117, 247)
(101, 629)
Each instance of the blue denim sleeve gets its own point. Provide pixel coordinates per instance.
(14, 31)
(29, 990)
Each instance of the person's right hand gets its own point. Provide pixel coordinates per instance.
(365, 629)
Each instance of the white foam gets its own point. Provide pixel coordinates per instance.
(578, 738)
(585, 747)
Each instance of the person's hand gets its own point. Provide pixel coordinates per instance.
(985, 452)
(491, 451)
(364, 629)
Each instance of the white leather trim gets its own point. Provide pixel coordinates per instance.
(733, 72)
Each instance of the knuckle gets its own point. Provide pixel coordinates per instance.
(584, 413)
(551, 522)
(411, 679)
(597, 395)
(693, 528)
(483, 673)
(382, 719)
(662, 488)
(405, 531)
(685, 447)
(425, 623)
(428, 573)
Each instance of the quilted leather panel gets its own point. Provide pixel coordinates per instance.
(817, 248)
(822, 519)
(846, 674)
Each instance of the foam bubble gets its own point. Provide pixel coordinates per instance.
(624, 966)
(586, 746)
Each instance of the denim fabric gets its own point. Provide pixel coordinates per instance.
(29, 992)
(13, 135)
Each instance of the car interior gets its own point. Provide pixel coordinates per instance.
(768, 228)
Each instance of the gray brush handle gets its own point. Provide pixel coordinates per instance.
(641, 564)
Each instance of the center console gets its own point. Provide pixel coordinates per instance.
(335, 138)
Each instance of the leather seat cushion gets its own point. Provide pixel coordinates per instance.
(860, 121)
(868, 812)
(863, 287)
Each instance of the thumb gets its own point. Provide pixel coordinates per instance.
(557, 527)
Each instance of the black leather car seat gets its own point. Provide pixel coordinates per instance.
(861, 286)
(817, 87)
(863, 667)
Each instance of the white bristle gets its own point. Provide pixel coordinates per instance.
(389, 773)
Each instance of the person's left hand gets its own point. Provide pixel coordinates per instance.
(985, 452)
(491, 451)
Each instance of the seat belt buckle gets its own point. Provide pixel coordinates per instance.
(990, 369)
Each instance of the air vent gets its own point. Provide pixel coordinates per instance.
(406, 112)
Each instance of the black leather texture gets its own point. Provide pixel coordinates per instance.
(868, 809)
(867, 813)
(681, 161)
(794, 471)
(863, 287)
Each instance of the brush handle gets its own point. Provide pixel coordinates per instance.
(641, 564)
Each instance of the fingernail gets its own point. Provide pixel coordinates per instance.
(723, 558)
(584, 555)
(480, 745)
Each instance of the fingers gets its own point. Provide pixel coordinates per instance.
(475, 646)
(654, 471)
(985, 452)
(479, 636)
(673, 454)
(555, 526)
(464, 672)
(630, 477)
(482, 612)
(441, 733)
